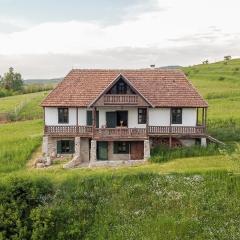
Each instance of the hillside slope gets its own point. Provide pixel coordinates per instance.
(219, 83)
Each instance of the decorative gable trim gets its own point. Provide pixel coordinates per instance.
(113, 83)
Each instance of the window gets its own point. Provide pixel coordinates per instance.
(63, 115)
(176, 116)
(121, 148)
(65, 146)
(121, 87)
(142, 116)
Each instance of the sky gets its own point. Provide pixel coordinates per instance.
(47, 38)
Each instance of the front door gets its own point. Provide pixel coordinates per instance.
(102, 150)
(137, 150)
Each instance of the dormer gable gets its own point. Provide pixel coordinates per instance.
(120, 92)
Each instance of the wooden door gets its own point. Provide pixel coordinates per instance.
(102, 150)
(111, 120)
(137, 150)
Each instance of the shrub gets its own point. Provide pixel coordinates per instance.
(221, 78)
(17, 199)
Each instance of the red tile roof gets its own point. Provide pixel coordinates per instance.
(162, 88)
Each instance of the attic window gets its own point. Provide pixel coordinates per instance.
(121, 87)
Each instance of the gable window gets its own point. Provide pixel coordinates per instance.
(121, 147)
(65, 146)
(176, 115)
(121, 87)
(142, 116)
(62, 115)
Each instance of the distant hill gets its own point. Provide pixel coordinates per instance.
(171, 67)
(43, 81)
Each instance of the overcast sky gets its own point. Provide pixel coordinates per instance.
(47, 38)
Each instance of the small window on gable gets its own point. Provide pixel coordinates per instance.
(176, 115)
(62, 115)
(142, 116)
(121, 147)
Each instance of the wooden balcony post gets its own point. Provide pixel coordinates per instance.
(147, 122)
(93, 120)
(197, 118)
(203, 113)
(205, 119)
(77, 120)
(170, 129)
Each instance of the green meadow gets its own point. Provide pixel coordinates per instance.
(190, 193)
(22, 107)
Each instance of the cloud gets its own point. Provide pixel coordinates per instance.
(172, 32)
(58, 65)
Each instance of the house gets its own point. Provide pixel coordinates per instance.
(101, 115)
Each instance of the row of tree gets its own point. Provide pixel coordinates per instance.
(11, 80)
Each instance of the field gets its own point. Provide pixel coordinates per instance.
(189, 194)
(22, 107)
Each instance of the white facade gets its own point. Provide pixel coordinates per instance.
(51, 116)
(161, 117)
(157, 116)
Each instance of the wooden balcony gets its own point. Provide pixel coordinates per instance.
(123, 132)
(176, 130)
(117, 99)
(120, 133)
(83, 131)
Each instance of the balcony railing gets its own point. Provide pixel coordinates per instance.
(116, 99)
(122, 132)
(155, 130)
(68, 130)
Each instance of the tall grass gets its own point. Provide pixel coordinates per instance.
(163, 153)
(132, 206)
(17, 142)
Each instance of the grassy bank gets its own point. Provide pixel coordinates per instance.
(135, 206)
(17, 143)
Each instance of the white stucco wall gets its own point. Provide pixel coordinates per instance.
(82, 116)
(157, 116)
(161, 117)
(51, 116)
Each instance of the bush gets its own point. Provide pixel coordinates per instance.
(221, 78)
(17, 199)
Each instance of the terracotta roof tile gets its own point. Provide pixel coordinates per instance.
(163, 88)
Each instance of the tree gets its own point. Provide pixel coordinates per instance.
(227, 58)
(12, 80)
(205, 61)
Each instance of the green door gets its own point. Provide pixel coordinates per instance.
(102, 150)
(111, 119)
(90, 119)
